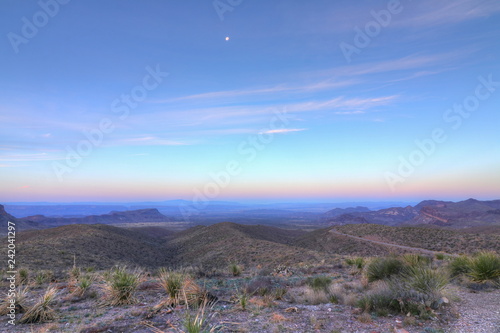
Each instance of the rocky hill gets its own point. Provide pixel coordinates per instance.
(98, 246)
(19, 224)
(463, 214)
(388, 216)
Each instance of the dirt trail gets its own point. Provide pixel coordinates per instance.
(391, 244)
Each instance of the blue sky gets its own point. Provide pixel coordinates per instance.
(279, 111)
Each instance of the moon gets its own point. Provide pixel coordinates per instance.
(227, 38)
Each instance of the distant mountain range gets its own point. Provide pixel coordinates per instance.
(462, 214)
(42, 222)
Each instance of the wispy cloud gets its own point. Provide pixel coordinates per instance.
(350, 112)
(147, 141)
(439, 12)
(227, 94)
(34, 157)
(284, 130)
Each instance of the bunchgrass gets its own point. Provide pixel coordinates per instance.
(41, 312)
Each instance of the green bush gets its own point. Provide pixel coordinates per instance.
(485, 266)
(460, 265)
(319, 282)
(383, 268)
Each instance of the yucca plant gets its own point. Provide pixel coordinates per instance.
(460, 265)
(383, 268)
(83, 285)
(41, 312)
(418, 288)
(485, 266)
(120, 286)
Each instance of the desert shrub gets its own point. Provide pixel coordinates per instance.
(485, 266)
(171, 282)
(120, 286)
(41, 312)
(235, 269)
(261, 286)
(383, 268)
(381, 298)
(357, 262)
(412, 259)
(319, 282)
(279, 293)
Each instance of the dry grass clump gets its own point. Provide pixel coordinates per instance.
(20, 302)
(120, 286)
(41, 312)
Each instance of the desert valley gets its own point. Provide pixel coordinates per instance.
(431, 267)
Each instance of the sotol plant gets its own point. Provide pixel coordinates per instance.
(121, 285)
(41, 312)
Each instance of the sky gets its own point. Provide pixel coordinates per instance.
(249, 100)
